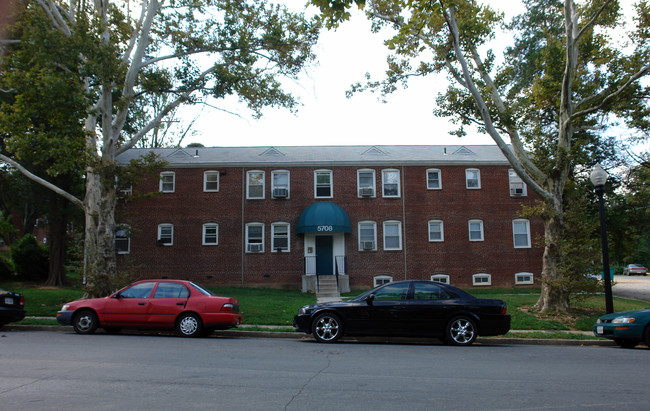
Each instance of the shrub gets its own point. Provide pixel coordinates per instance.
(31, 260)
(6, 270)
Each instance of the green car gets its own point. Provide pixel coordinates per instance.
(627, 328)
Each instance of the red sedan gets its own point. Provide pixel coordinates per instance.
(154, 304)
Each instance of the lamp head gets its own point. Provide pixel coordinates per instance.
(598, 176)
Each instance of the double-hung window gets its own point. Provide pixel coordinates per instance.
(475, 230)
(367, 236)
(366, 183)
(392, 235)
(436, 231)
(255, 185)
(521, 233)
(473, 178)
(254, 238)
(280, 184)
(210, 234)
(390, 183)
(517, 185)
(211, 181)
(167, 181)
(166, 234)
(280, 237)
(434, 181)
(323, 184)
(123, 240)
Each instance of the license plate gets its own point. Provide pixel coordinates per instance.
(9, 301)
(599, 329)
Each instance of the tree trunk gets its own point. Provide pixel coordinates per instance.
(555, 294)
(56, 240)
(100, 261)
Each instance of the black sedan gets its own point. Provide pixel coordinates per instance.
(12, 307)
(407, 309)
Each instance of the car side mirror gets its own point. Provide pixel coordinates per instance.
(370, 298)
(117, 295)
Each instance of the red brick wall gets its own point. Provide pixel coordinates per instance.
(188, 208)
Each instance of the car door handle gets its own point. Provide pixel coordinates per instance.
(180, 303)
(142, 303)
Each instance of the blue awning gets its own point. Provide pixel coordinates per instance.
(323, 217)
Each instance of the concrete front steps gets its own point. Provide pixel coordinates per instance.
(327, 289)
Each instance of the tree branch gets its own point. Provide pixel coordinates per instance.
(74, 200)
(591, 22)
(645, 70)
(514, 160)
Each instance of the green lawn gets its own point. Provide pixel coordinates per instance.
(263, 306)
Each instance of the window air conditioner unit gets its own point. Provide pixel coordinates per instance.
(368, 245)
(366, 192)
(517, 192)
(255, 248)
(280, 192)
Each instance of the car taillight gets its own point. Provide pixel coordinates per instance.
(22, 301)
(504, 309)
(228, 307)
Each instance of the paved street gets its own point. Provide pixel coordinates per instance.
(637, 287)
(62, 370)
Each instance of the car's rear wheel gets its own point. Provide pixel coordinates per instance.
(189, 325)
(327, 328)
(646, 336)
(461, 330)
(626, 343)
(85, 322)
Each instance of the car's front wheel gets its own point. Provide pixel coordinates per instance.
(626, 343)
(327, 328)
(189, 325)
(461, 331)
(85, 322)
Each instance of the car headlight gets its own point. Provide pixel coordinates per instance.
(623, 320)
(304, 310)
(65, 307)
(598, 321)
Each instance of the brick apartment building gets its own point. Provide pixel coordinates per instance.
(277, 216)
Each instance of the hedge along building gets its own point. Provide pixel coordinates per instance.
(285, 216)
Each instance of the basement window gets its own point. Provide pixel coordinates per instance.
(482, 279)
(381, 280)
(524, 278)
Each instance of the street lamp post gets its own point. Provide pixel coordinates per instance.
(599, 178)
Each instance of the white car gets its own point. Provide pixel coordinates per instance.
(634, 269)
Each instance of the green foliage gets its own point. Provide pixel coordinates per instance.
(44, 104)
(634, 216)
(30, 259)
(7, 230)
(6, 269)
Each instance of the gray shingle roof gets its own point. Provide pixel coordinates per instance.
(324, 155)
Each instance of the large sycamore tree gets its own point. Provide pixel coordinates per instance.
(177, 51)
(565, 81)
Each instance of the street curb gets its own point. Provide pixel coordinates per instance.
(301, 336)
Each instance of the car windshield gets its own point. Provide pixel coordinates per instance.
(202, 290)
